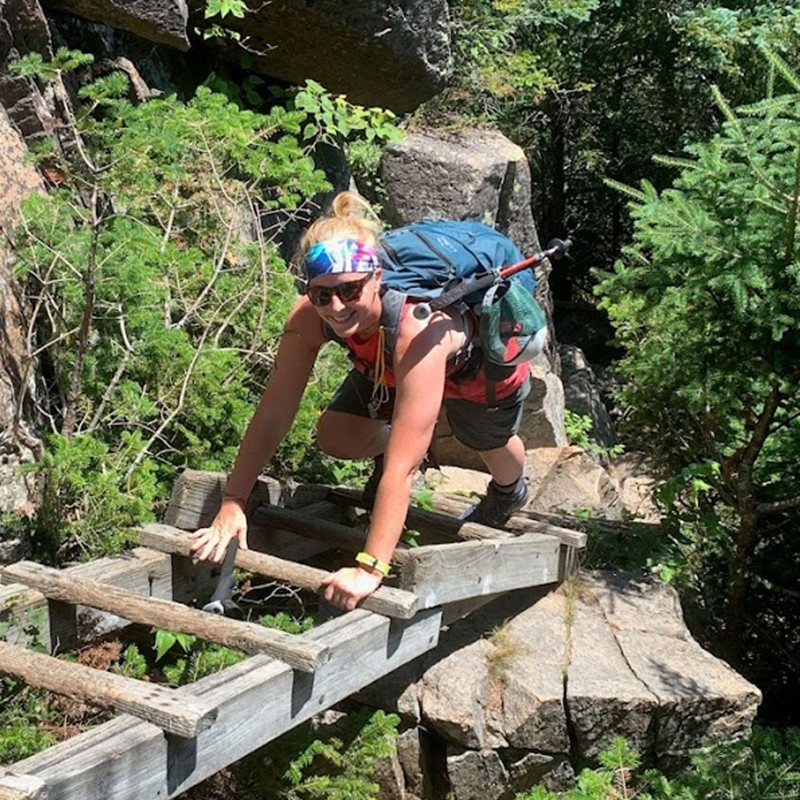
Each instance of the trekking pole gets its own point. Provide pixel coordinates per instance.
(556, 249)
(222, 601)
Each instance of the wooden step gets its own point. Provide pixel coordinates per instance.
(258, 700)
(246, 636)
(386, 600)
(148, 701)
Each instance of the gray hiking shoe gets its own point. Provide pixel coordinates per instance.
(497, 507)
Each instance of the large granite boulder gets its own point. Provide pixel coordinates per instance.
(537, 682)
(471, 174)
(395, 54)
(154, 20)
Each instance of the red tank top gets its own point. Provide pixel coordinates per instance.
(364, 356)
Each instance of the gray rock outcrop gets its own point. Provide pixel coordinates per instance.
(18, 444)
(534, 683)
(395, 55)
(582, 394)
(472, 174)
(154, 20)
(24, 29)
(566, 480)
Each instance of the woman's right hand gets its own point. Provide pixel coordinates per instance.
(211, 543)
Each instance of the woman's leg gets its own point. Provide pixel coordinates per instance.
(505, 463)
(343, 435)
(346, 429)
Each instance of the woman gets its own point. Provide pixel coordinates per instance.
(383, 410)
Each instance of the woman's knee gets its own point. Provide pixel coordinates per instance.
(348, 436)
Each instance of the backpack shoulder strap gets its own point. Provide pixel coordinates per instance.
(393, 303)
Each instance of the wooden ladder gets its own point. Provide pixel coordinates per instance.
(166, 740)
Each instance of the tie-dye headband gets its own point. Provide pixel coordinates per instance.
(342, 255)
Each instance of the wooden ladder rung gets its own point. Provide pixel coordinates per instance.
(335, 534)
(429, 521)
(148, 701)
(251, 638)
(519, 523)
(386, 600)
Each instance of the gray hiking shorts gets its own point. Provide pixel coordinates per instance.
(473, 424)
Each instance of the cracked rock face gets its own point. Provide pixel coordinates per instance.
(17, 443)
(473, 174)
(533, 682)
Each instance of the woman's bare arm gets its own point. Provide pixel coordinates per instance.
(420, 368)
(300, 342)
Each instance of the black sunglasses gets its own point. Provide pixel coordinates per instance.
(348, 292)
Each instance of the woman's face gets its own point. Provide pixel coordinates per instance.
(348, 302)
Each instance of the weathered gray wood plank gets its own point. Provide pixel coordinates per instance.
(386, 600)
(334, 534)
(521, 522)
(148, 701)
(141, 571)
(425, 521)
(258, 700)
(244, 636)
(445, 573)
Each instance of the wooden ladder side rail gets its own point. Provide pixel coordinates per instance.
(446, 522)
(549, 524)
(153, 611)
(21, 787)
(446, 573)
(335, 534)
(148, 701)
(65, 627)
(386, 600)
(258, 700)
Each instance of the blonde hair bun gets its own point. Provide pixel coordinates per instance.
(349, 217)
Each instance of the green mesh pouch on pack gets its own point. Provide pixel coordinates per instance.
(513, 326)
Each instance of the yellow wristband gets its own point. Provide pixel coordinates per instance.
(374, 563)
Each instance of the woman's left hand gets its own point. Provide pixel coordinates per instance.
(349, 585)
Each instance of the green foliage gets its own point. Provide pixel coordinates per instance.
(88, 502)
(23, 715)
(132, 663)
(330, 117)
(705, 303)
(157, 301)
(577, 427)
(328, 770)
(283, 621)
(224, 8)
(198, 660)
(33, 65)
(166, 640)
(765, 768)
(203, 658)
